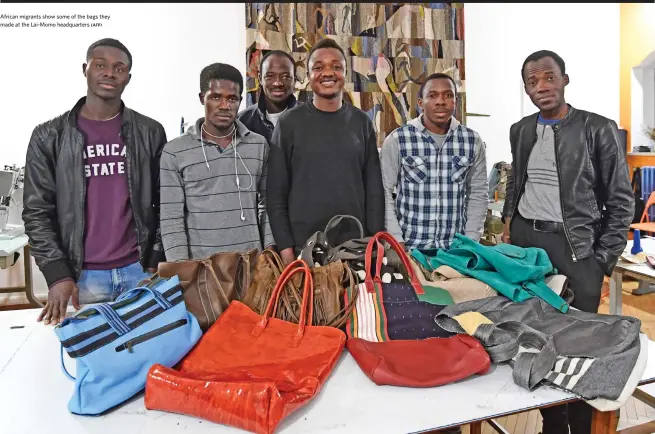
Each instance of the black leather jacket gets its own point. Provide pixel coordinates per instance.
(593, 174)
(55, 189)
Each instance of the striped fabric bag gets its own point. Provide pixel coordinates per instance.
(392, 333)
(388, 306)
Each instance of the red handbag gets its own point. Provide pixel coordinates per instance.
(251, 371)
(421, 363)
(392, 334)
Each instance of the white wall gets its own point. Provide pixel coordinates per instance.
(642, 101)
(41, 74)
(500, 36)
(171, 43)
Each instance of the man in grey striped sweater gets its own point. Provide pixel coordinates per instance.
(213, 177)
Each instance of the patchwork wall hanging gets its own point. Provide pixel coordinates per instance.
(390, 48)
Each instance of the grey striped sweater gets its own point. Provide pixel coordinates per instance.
(200, 206)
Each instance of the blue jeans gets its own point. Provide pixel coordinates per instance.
(98, 286)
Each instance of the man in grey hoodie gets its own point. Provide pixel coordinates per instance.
(213, 177)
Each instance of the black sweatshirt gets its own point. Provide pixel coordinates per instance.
(322, 164)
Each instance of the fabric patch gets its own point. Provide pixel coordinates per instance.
(470, 321)
(436, 295)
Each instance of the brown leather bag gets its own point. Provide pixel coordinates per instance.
(209, 285)
(330, 282)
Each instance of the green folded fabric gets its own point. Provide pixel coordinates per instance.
(434, 295)
(517, 273)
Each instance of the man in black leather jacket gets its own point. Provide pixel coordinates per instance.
(568, 193)
(91, 197)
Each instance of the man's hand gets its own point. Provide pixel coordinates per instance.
(287, 256)
(58, 296)
(505, 237)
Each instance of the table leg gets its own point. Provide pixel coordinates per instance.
(603, 422)
(616, 293)
(29, 288)
(475, 428)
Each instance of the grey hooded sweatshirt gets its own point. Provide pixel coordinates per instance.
(212, 199)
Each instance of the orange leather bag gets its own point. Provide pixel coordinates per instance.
(251, 371)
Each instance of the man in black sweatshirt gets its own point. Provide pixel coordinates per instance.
(323, 161)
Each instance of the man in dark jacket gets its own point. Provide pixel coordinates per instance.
(91, 197)
(568, 193)
(277, 76)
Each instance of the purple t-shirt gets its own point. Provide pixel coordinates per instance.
(109, 232)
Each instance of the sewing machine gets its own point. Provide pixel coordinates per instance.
(11, 179)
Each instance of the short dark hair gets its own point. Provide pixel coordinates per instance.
(220, 71)
(325, 43)
(435, 76)
(537, 55)
(277, 53)
(109, 42)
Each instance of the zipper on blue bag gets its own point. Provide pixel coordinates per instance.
(129, 344)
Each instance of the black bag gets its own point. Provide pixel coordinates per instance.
(318, 250)
(639, 200)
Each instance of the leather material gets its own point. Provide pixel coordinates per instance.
(319, 250)
(413, 363)
(54, 194)
(251, 371)
(593, 173)
(544, 226)
(329, 283)
(211, 284)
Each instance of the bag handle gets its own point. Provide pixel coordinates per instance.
(63, 366)
(285, 298)
(334, 222)
(114, 320)
(307, 307)
(159, 298)
(376, 240)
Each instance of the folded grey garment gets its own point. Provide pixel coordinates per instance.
(591, 355)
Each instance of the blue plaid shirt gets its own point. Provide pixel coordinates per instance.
(433, 183)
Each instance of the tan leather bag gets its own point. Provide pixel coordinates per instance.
(209, 285)
(330, 282)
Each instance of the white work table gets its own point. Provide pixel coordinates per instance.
(8, 248)
(34, 395)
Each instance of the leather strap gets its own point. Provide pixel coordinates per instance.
(376, 242)
(546, 226)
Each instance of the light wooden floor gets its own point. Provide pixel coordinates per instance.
(634, 412)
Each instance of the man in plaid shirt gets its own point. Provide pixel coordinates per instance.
(438, 168)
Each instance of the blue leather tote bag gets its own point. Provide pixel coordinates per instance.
(115, 344)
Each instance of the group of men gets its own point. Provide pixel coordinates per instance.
(107, 197)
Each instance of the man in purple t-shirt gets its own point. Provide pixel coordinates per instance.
(91, 199)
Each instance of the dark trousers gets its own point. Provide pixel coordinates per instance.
(585, 280)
